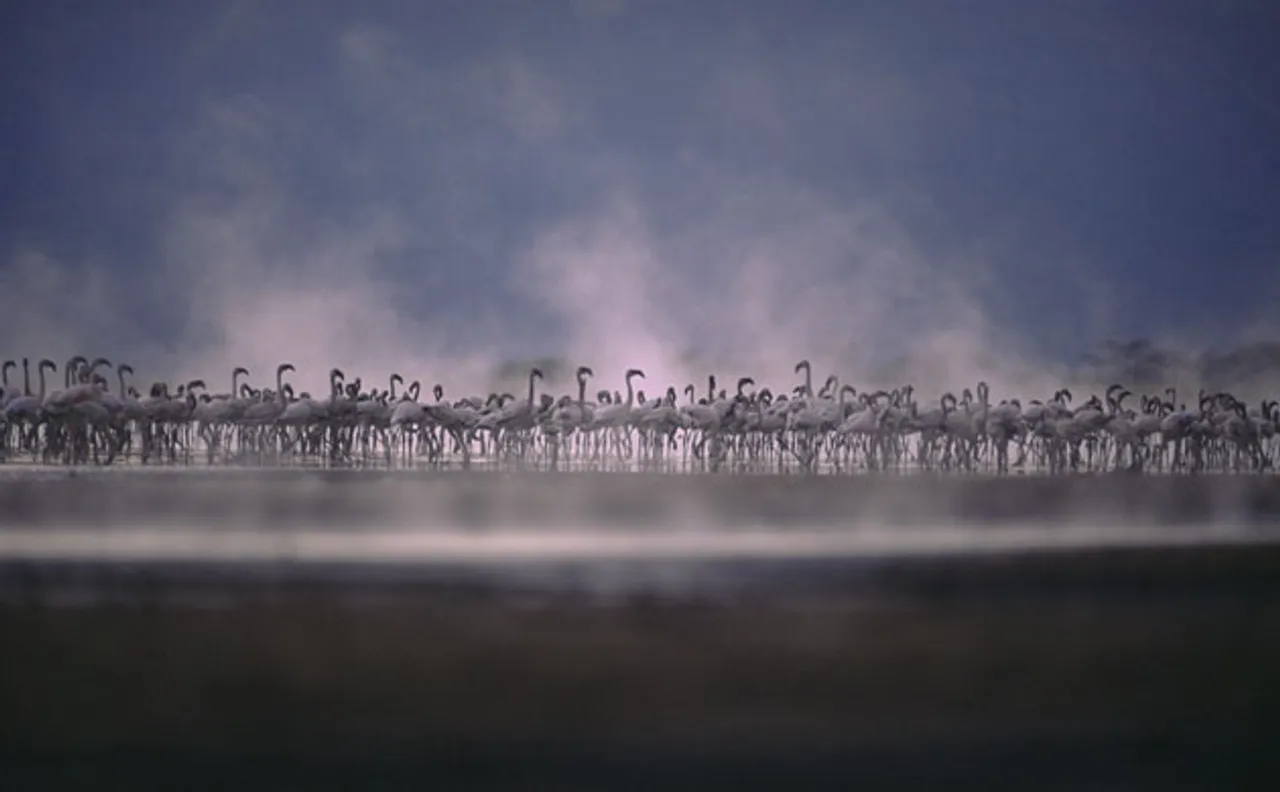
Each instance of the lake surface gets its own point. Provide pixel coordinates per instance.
(275, 629)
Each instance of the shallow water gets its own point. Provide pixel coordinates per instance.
(594, 534)
(779, 630)
(405, 516)
(533, 544)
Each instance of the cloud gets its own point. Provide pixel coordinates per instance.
(439, 210)
(262, 285)
(691, 259)
(768, 274)
(503, 89)
(600, 9)
(237, 22)
(527, 100)
(43, 300)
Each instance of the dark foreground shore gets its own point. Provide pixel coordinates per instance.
(1119, 669)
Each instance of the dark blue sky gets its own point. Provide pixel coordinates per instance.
(1112, 165)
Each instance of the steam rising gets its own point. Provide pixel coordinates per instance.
(438, 213)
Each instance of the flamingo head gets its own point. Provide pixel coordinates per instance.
(584, 372)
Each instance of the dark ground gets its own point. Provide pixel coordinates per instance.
(1117, 669)
(1130, 669)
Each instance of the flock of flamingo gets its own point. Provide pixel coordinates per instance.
(834, 429)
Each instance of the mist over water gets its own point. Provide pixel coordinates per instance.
(621, 531)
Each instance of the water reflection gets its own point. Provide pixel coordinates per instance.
(536, 543)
